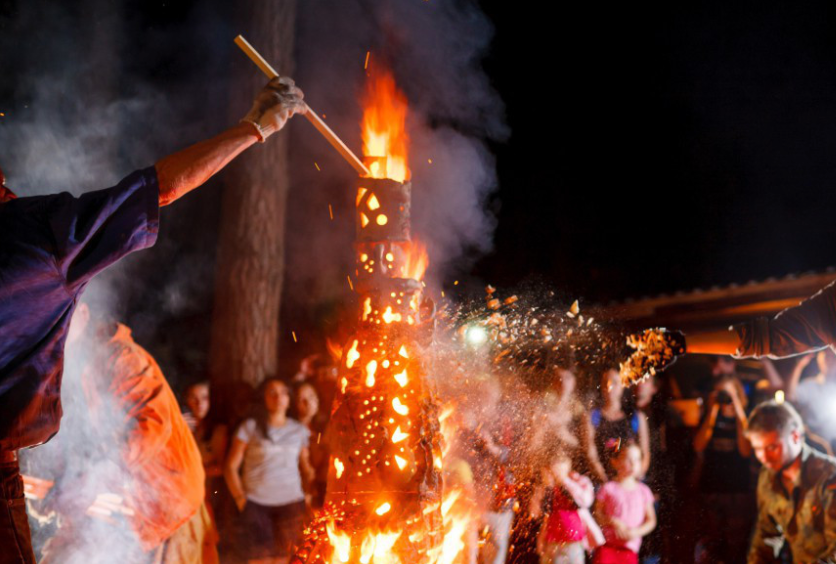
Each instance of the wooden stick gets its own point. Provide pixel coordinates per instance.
(312, 116)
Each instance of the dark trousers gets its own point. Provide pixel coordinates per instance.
(15, 539)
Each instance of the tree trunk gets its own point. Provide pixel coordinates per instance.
(251, 251)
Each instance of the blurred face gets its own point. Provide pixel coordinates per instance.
(611, 386)
(774, 451)
(5, 193)
(629, 462)
(197, 399)
(276, 397)
(307, 402)
(723, 366)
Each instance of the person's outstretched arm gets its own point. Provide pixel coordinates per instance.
(723, 341)
(180, 173)
(807, 327)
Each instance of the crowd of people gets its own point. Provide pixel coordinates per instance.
(568, 474)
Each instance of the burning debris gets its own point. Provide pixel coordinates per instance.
(655, 350)
(526, 331)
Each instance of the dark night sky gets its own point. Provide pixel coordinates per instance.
(652, 149)
(665, 148)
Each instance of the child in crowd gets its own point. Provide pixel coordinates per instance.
(563, 495)
(624, 508)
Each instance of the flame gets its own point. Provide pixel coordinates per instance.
(417, 260)
(399, 408)
(380, 546)
(383, 509)
(339, 467)
(334, 349)
(399, 435)
(458, 508)
(367, 549)
(341, 543)
(384, 128)
(401, 462)
(371, 368)
(389, 317)
(352, 356)
(401, 378)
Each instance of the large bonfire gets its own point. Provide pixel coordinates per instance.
(385, 501)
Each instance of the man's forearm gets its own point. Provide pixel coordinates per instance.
(183, 171)
(723, 341)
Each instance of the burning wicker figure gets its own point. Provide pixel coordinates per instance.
(383, 500)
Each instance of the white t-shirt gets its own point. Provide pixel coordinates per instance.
(271, 464)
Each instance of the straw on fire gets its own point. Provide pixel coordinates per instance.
(654, 350)
(312, 116)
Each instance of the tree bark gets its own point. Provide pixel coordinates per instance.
(251, 251)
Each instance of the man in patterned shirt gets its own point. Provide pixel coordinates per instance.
(796, 490)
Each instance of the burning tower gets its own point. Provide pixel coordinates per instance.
(384, 498)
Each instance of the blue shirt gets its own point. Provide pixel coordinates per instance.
(50, 247)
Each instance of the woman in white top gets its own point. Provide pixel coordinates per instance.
(265, 470)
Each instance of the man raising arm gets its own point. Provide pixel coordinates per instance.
(51, 247)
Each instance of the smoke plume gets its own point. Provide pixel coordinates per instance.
(435, 50)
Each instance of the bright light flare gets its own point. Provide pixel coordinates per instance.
(476, 335)
(383, 509)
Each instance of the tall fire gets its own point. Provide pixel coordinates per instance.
(384, 500)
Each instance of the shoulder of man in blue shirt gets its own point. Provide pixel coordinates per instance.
(50, 247)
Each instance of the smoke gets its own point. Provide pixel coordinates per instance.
(91, 93)
(85, 102)
(435, 50)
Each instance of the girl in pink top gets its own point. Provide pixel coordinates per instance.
(562, 494)
(624, 509)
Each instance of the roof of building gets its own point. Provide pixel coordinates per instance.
(718, 306)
